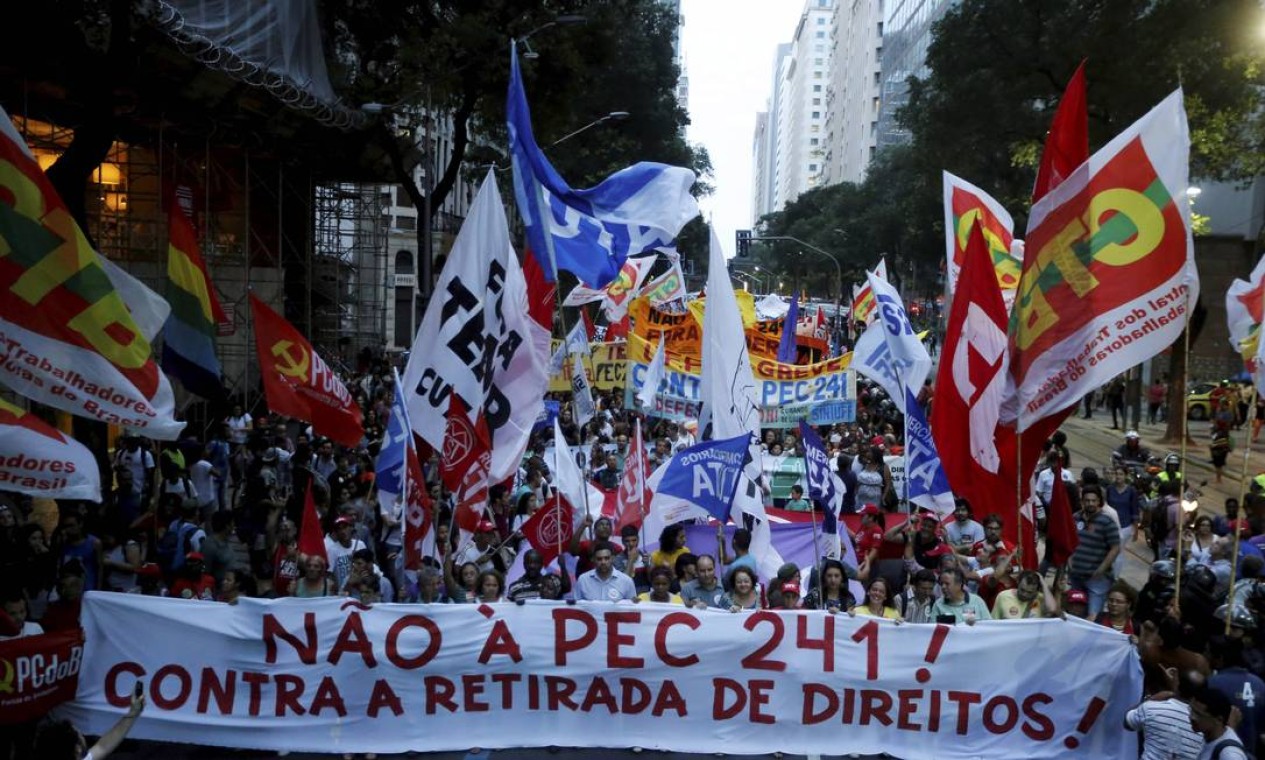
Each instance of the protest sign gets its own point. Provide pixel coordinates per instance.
(333, 675)
(605, 365)
(37, 673)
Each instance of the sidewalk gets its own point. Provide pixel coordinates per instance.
(1091, 442)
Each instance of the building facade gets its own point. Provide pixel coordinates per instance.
(906, 37)
(854, 89)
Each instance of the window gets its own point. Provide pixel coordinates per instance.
(816, 101)
(814, 141)
(821, 35)
(402, 198)
(816, 88)
(405, 223)
(816, 75)
(821, 21)
(812, 167)
(816, 114)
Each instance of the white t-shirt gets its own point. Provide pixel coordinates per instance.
(340, 558)
(183, 486)
(203, 481)
(137, 462)
(238, 427)
(28, 629)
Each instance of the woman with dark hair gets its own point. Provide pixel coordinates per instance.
(524, 508)
(463, 589)
(833, 596)
(660, 587)
(879, 602)
(490, 585)
(744, 591)
(671, 546)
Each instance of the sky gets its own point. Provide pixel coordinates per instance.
(728, 48)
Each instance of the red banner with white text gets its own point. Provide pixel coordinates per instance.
(37, 673)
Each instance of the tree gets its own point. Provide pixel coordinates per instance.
(452, 57)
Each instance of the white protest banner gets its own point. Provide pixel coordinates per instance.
(333, 675)
(38, 459)
(896, 466)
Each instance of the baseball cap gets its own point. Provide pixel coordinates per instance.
(344, 520)
(1076, 596)
(927, 514)
(1132, 434)
(790, 587)
(193, 557)
(149, 570)
(868, 509)
(485, 526)
(939, 550)
(878, 440)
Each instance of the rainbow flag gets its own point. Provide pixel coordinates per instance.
(189, 334)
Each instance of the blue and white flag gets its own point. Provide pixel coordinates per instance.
(824, 485)
(909, 358)
(389, 471)
(699, 481)
(786, 348)
(590, 233)
(872, 357)
(924, 475)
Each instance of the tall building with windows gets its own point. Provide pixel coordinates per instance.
(906, 36)
(797, 109)
(853, 92)
(765, 143)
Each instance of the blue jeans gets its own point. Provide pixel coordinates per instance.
(1097, 589)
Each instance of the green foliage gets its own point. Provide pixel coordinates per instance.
(997, 71)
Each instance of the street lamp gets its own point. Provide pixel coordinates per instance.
(814, 249)
(563, 20)
(612, 116)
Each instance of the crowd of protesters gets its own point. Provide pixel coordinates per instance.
(216, 519)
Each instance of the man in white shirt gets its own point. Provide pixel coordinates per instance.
(15, 608)
(604, 583)
(206, 481)
(963, 533)
(1210, 716)
(339, 546)
(139, 462)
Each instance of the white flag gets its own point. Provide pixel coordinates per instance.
(654, 376)
(1244, 306)
(477, 323)
(731, 401)
(576, 342)
(616, 295)
(581, 393)
(568, 478)
(909, 357)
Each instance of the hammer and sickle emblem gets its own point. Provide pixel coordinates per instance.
(6, 677)
(287, 363)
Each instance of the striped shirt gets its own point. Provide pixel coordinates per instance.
(1097, 535)
(1167, 734)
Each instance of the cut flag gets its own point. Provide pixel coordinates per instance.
(863, 302)
(1067, 144)
(655, 373)
(617, 293)
(399, 481)
(550, 528)
(965, 206)
(700, 481)
(591, 233)
(189, 333)
(74, 332)
(297, 381)
(1244, 304)
(827, 489)
(633, 499)
(1061, 536)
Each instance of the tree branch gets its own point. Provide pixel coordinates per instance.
(460, 139)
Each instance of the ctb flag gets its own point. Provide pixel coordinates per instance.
(965, 206)
(1109, 274)
(75, 331)
(297, 381)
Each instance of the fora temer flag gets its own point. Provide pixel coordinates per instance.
(297, 381)
(39, 460)
(478, 340)
(72, 335)
(1109, 273)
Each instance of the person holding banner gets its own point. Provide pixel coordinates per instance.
(59, 740)
(604, 583)
(833, 596)
(744, 593)
(879, 602)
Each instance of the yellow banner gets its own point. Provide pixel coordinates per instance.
(763, 368)
(604, 366)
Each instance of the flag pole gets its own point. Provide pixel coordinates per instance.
(1181, 499)
(1243, 481)
(817, 559)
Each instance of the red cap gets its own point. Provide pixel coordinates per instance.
(939, 550)
(485, 526)
(927, 514)
(192, 556)
(878, 440)
(149, 570)
(790, 587)
(1076, 596)
(344, 520)
(868, 509)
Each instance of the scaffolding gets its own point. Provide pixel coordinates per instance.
(349, 289)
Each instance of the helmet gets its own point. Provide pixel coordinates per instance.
(1239, 616)
(1132, 435)
(1165, 569)
(1172, 459)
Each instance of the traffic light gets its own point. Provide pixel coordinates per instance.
(742, 243)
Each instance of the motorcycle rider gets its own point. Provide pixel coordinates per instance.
(1131, 453)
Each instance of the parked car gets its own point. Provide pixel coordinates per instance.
(1199, 401)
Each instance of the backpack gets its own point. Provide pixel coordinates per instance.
(169, 555)
(1216, 753)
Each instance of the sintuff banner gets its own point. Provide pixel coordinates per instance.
(332, 675)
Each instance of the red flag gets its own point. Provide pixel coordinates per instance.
(1067, 144)
(540, 293)
(311, 540)
(461, 444)
(1061, 537)
(618, 329)
(632, 501)
(590, 329)
(550, 529)
(419, 536)
(298, 383)
(970, 387)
